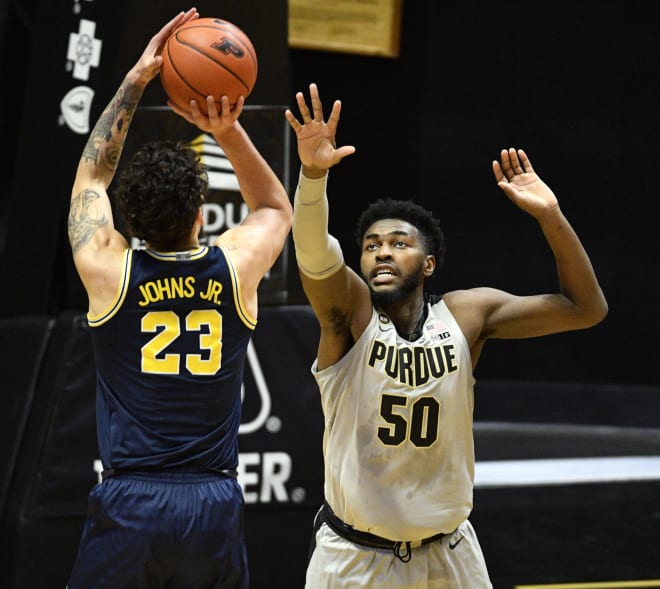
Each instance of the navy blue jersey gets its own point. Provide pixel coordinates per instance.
(170, 354)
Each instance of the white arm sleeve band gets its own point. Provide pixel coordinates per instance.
(318, 253)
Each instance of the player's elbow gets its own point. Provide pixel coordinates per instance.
(601, 312)
(595, 312)
(286, 215)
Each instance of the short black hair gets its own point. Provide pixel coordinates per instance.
(410, 212)
(159, 192)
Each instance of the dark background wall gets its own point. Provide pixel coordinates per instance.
(575, 84)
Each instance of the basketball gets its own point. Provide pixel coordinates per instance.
(208, 57)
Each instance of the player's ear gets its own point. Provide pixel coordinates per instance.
(429, 266)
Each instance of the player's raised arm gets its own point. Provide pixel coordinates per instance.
(580, 302)
(338, 296)
(94, 241)
(90, 206)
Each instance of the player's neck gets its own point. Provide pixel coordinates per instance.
(408, 318)
(181, 246)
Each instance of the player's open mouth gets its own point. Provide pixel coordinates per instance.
(383, 275)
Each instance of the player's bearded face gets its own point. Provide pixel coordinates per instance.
(409, 284)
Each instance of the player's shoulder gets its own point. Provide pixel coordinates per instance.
(469, 294)
(473, 301)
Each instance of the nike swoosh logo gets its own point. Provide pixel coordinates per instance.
(452, 546)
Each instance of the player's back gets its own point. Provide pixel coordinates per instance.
(170, 355)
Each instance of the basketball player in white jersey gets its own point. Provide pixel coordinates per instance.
(395, 371)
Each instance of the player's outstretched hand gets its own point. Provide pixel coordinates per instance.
(516, 177)
(317, 147)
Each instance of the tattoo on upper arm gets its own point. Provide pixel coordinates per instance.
(84, 218)
(106, 141)
(102, 151)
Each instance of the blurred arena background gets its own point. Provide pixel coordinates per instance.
(567, 427)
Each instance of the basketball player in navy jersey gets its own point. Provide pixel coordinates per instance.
(170, 325)
(395, 370)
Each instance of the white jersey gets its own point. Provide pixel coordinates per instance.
(398, 442)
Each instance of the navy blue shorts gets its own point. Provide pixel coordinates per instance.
(180, 531)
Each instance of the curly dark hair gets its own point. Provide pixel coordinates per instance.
(411, 212)
(159, 192)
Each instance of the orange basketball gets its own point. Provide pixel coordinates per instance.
(208, 57)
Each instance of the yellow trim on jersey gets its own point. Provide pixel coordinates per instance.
(122, 289)
(249, 321)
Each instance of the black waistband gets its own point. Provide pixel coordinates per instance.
(370, 540)
(112, 472)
